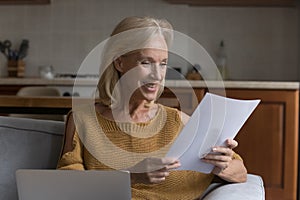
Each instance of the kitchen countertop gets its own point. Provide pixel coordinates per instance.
(169, 83)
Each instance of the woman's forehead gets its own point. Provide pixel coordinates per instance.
(152, 52)
(157, 42)
(148, 53)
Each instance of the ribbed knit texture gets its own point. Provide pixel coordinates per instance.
(135, 139)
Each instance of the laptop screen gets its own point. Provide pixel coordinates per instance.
(73, 185)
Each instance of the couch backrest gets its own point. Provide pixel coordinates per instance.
(26, 144)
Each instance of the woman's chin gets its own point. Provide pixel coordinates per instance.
(150, 97)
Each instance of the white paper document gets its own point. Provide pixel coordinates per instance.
(215, 119)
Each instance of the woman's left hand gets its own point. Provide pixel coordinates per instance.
(226, 167)
(221, 156)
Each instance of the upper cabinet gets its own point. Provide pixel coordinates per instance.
(235, 2)
(12, 2)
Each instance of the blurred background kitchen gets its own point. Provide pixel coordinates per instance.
(261, 40)
(262, 43)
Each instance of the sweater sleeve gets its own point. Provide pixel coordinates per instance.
(72, 160)
(72, 151)
(237, 156)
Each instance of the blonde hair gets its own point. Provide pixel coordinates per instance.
(132, 33)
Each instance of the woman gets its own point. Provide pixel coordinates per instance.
(129, 130)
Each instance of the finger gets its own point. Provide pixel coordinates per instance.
(161, 161)
(157, 180)
(218, 157)
(153, 164)
(157, 176)
(222, 150)
(231, 143)
(173, 165)
(220, 164)
(168, 161)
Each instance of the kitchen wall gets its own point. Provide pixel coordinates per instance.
(262, 43)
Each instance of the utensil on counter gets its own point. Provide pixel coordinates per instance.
(22, 53)
(15, 63)
(7, 49)
(2, 49)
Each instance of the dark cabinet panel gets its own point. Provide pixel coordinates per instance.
(268, 142)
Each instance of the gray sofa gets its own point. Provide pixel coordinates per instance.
(36, 144)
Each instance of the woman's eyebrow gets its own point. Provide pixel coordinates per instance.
(141, 57)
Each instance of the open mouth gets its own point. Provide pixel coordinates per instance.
(151, 87)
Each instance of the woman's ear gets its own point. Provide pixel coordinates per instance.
(118, 65)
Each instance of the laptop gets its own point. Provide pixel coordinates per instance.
(73, 185)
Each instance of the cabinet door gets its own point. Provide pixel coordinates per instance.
(268, 142)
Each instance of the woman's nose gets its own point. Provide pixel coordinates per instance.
(157, 72)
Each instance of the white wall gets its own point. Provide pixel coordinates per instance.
(262, 43)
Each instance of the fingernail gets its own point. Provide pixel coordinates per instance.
(214, 149)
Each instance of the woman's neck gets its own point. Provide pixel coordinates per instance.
(142, 111)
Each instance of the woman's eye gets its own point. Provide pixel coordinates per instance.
(146, 63)
(163, 65)
(150, 64)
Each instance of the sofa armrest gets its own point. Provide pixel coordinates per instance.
(253, 189)
(26, 144)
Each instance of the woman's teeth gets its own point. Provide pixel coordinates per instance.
(150, 85)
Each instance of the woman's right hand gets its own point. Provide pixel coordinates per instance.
(152, 170)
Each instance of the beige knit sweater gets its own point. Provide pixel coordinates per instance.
(135, 141)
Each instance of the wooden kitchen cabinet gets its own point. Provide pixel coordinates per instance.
(268, 142)
(13, 89)
(235, 2)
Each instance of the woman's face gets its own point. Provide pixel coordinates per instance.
(143, 71)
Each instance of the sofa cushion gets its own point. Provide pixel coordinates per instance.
(253, 189)
(26, 144)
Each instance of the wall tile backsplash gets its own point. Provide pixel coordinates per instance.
(262, 42)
